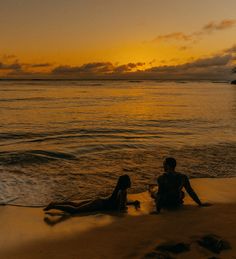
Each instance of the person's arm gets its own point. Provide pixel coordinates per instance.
(191, 192)
(152, 189)
(122, 200)
(135, 203)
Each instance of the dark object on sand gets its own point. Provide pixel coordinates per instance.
(175, 248)
(214, 243)
(233, 82)
(157, 255)
(213, 257)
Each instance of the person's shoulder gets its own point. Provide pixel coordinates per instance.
(160, 177)
(181, 175)
(122, 191)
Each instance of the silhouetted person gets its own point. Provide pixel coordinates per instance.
(117, 201)
(170, 188)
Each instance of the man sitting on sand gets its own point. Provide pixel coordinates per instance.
(170, 185)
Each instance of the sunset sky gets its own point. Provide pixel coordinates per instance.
(117, 39)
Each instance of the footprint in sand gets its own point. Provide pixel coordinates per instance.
(214, 243)
(162, 251)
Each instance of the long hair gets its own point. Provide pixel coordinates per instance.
(123, 183)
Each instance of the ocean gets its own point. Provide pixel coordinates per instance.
(74, 138)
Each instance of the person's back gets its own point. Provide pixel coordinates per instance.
(170, 187)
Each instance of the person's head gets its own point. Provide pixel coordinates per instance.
(124, 182)
(169, 164)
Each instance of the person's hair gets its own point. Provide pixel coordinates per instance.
(171, 162)
(123, 183)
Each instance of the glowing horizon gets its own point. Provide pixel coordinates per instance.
(41, 37)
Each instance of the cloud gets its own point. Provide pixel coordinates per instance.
(214, 67)
(222, 25)
(128, 67)
(96, 67)
(215, 61)
(152, 62)
(13, 66)
(219, 60)
(218, 66)
(231, 50)
(7, 57)
(173, 36)
(40, 65)
(183, 48)
(196, 35)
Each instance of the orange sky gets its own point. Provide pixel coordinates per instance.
(41, 35)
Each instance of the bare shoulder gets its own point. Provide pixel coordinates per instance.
(160, 178)
(182, 175)
(184, 178)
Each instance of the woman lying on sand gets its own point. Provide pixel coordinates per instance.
(116, 201)
(170, 186)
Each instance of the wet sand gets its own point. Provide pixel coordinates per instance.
(25, 234)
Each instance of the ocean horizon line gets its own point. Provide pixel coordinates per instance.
(116, 79)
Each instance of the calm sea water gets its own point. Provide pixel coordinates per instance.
(59, 138)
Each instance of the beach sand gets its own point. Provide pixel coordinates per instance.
(25, 234)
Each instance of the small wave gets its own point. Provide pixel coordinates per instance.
(87, 131)
(21, 135)
(96, 84)
(135, 81)
(30, 99)
(32, 157)
(157, 130)
(97, 171)
(220, 82)
(87, 84)
(106, 148)
(181, 82)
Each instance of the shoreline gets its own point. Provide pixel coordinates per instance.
(26, 235)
